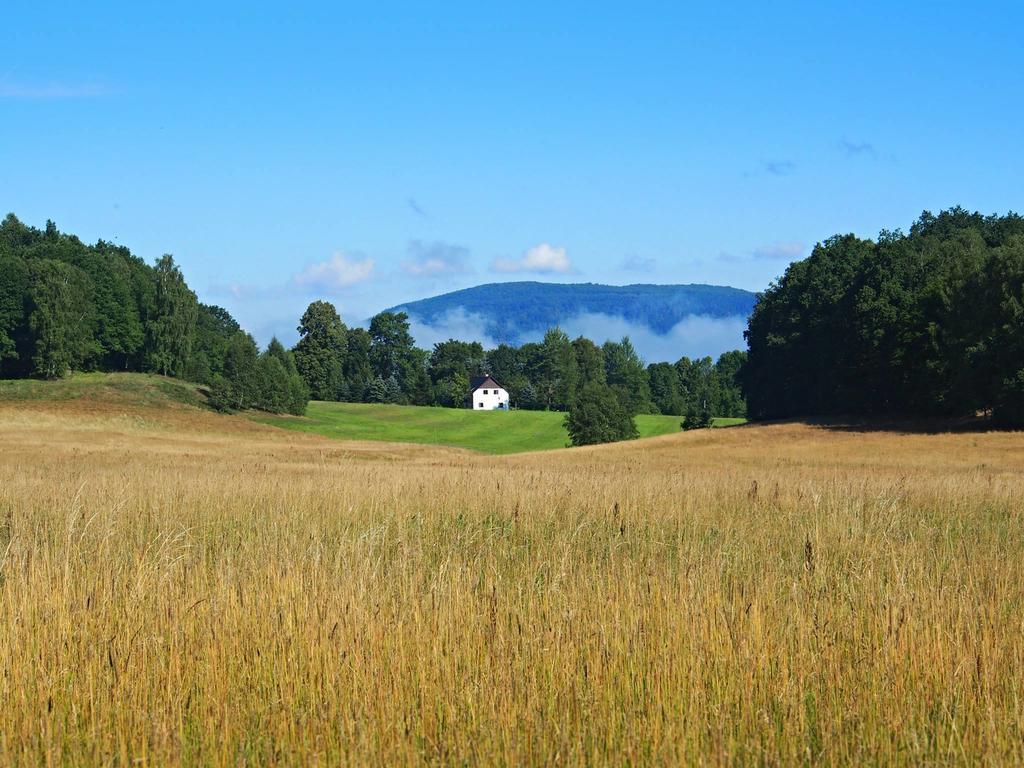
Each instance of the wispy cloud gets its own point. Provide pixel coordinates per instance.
(784, 251)
(779, 167)
(634, 263)
(250, 292)
(436, 259)
(415, 207)
(50, 90)
(791, 250)
(857, 148)
(339, 271)
(543, 258)
(234, 290)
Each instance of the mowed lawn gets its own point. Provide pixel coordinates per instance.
(489, 432)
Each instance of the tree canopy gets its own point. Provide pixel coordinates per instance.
(320, 353)
(597, 416)
(67, 306)
(918, 324)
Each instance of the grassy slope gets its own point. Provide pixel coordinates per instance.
(491, 432)
(119, 388)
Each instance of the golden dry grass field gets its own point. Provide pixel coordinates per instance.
(178, 587)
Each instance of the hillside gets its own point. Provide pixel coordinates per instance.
(105, 389)
(513, 311)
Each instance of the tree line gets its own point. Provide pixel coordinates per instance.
(382, 364)
(927, 323)
(67, 306)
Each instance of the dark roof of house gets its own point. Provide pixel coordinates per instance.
(486, 380)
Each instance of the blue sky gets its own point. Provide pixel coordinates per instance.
(377, 153)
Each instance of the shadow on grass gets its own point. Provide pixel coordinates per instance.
(898, 425)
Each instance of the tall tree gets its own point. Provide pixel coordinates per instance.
(559, 371)
(698, 384)
(504, 363)
(730, 401)
(296, 393)
(589, 362)
(627, 376)
(14, 290)
(242, 371)
(171, 327)
(453, 357)
(451, 365)
(61, 318)
(358, 372)
(215, 328)
(390, 343)
(394, 356)
(320, 353)
(665, 388)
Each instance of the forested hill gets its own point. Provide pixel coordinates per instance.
(512, 311)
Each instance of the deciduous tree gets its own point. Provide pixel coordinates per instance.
(320, 353)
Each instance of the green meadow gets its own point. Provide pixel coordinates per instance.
(489, 432)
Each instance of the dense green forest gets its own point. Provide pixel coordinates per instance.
(66, 306)
(925, 323)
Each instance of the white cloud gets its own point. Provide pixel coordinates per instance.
(787, 251)
(339, 271)
(540, 258)
(435, 259)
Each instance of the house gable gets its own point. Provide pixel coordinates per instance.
(483, 382)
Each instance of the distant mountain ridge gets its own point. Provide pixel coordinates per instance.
(512, 311)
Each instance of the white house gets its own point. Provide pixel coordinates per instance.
(487, 395)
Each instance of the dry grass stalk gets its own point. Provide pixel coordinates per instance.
(189, 589)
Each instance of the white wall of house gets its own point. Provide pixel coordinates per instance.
(489, 399)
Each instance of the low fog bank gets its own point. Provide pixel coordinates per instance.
(457, 324)
(695, 336)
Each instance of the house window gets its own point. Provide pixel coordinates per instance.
(481, 405)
